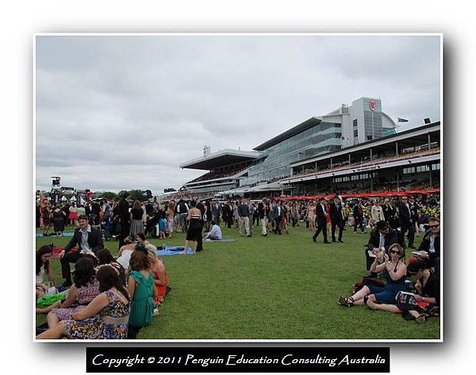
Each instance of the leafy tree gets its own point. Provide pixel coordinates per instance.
(108, 195)
(138, 195)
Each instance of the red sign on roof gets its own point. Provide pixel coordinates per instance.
(372, 105)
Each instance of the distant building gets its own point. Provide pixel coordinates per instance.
(272, 166)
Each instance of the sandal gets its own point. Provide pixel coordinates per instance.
(420, 319)
(346, 301)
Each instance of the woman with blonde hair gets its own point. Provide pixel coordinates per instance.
(311, 216)
(159, 272)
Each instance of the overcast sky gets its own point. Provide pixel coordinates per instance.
(123, 112)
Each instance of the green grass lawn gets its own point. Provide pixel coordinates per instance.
(270, 288)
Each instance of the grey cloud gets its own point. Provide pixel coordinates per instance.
(125, 111)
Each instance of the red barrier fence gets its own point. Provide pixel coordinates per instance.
(361, 195)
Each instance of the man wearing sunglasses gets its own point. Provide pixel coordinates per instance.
(430, 245)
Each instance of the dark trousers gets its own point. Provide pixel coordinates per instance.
(359, 222)
(340, 226)
(277, 227)
(410, 227)
(70, 257)
(368, 259)
(125, 229)
(199, 239)
(321, 227)
(132, 332)
(228, 220)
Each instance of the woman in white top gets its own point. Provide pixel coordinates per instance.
(376, 212)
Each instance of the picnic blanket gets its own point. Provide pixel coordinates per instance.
(222, 240)
(173, 250)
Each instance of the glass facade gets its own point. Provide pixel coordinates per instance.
(373, 125)
(325, 137)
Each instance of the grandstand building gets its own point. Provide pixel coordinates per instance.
(226, 168)
(408, 160)
(348, 140)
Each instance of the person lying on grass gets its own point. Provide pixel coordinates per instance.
(394, 271)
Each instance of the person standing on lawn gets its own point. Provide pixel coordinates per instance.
(321, 220)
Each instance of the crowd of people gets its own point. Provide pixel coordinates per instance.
(104, 297)
(396, 283)
(107, 297)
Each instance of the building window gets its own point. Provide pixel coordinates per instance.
(356, 133)
(369, 138)
(354, 123)
(423, 168)
(435, 167)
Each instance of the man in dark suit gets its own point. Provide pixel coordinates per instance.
(381, 237)
(406, 222)
(430, 245)
(227, 214)
(321, 220)
(337, 219)
(87, 239)
(216, 211)
(278, 216)
(122, 212)
(358, 213)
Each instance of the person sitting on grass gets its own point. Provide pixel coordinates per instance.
(142, 291)
(84, 289)
(105, 317)
(125, 253)
(88, 239)
(214, 234)
(416, 306)
(159, 272)
(394, 270)
(44, 270)
(105, 257)
(140, 238)
(381, 237)
(430, 245)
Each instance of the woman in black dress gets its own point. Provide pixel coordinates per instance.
(194, 232)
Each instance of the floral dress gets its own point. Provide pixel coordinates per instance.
(109, 323)
(85, 295)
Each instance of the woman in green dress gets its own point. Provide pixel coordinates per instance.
(142, 291)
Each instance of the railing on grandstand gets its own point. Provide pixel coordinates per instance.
(366, 162)
(219, 174)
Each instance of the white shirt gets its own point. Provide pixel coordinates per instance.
(215, 233)
(84, 239)
(381, 243)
